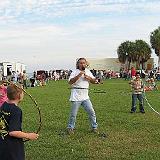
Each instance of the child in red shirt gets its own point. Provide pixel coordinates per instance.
(3, 93)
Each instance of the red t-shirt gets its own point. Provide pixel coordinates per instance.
(133, 72)
(3, 95)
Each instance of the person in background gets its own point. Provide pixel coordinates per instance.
(3, 93)
(137, 93)
(24, 79)
(133, 72)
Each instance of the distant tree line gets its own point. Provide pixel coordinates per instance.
(139, 51)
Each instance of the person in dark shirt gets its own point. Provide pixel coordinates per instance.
(11, 134)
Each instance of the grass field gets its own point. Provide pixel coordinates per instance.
(129, 136)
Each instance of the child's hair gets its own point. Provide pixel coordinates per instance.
(77, 63)
(14, 92)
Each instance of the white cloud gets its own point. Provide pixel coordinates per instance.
(59, 44)
(54, 8)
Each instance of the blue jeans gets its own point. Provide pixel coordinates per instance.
(87, 105)
(134, 99)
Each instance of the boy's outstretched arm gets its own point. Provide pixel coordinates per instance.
(20, 134)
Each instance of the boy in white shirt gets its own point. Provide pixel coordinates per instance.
(79, 81)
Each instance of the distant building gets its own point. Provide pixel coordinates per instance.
(113, 64)
(6, 68)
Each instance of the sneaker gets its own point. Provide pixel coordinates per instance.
(70, 131)
(95, 130)
(142, 111)
(132, 111)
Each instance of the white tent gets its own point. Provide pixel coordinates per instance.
(8, 67)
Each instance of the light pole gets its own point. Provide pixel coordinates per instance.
(126, 61)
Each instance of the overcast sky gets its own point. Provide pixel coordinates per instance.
(48, 34)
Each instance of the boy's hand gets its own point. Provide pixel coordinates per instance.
(20, 134)
(32, 136)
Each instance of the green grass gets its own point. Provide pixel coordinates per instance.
(129, 136)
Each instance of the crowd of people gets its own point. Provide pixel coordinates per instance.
(16, 77)
(40, 78)
(128, 74)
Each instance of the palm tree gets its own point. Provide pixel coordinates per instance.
(125, 51)
(142, 53)
(155, 42)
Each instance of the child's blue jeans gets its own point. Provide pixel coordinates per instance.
(141, 102)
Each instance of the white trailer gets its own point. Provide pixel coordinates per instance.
(8, 67)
